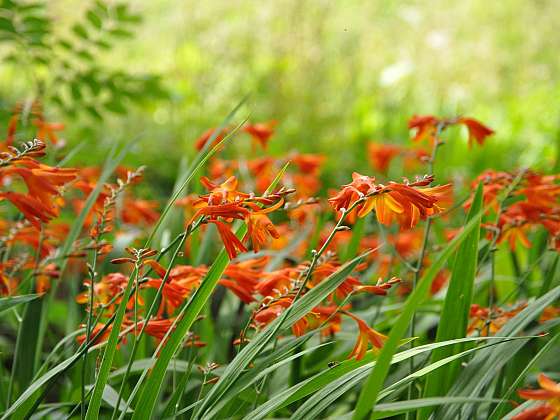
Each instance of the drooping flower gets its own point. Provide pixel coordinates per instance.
(381, 155)
(137, 211)
(242, 277)
(405, 203)
(260, 228)
(43, 199)
(488, 321)
(477, 131)
(549, 313)
(231, 242)
(205, 137)
(549, 394)
(32, 209)
(96, 335)
(107, 292)
(366, 336)
(277, 282)
(261, 132)
(426, 127)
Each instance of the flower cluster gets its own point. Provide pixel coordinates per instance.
(406, 203)
(532, 200)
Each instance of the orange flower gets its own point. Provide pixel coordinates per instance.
(231, 242)
(261, 132)
(360, 186)
(181, 281)
(263, 169)
(223, 193)
(366, 336)
(493, 183)
(33, 210)
(405, 203)
(95, 334)
(159, 328)
(105, 290)
(488, 321)
(278, 282)
(549, 392)
(242, 277)
(43, 183)
(47, 130)
(220, 168)
(381, 155)
(477, 130)
(308, 163)
(260, 228)
(136, 211)
(426, 127)
(227, 211)
(271, 311)
(203, 139)
(549, 313)
(331, 315)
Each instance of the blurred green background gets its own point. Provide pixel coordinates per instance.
(335, 74)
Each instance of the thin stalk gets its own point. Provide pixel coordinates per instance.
(316, 255)
(423, 250)
(88, 332)
(19, 319)
(190, 228)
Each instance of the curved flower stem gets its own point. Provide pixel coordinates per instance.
(93, 275)
(316, 255)
(426, 236)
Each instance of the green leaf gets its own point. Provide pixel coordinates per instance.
(9, 302)
(110, 396)
(186, 317)
(456, 307)
(354, 371)
(483, 368)
(94, 19)
(36, 386)
(265, 367)
(80, 31)
(498, 412)
(385, 410)
(298, 310)
(374, 384)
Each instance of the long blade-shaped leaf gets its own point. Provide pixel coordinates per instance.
(11, 301)
(299, 309)
(369, 392)
(188, 315)
(482, 369)
(348, 370)
(455, 313)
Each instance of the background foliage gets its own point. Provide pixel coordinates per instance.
(334, 74)
(136, 83)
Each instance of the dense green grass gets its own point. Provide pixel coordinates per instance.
(337, 78)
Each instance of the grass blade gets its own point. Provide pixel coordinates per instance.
(9, 302)
(187, 316)
(369, 392)
(483, 367)
(455, 313)
(342, 373)
(299, 309)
